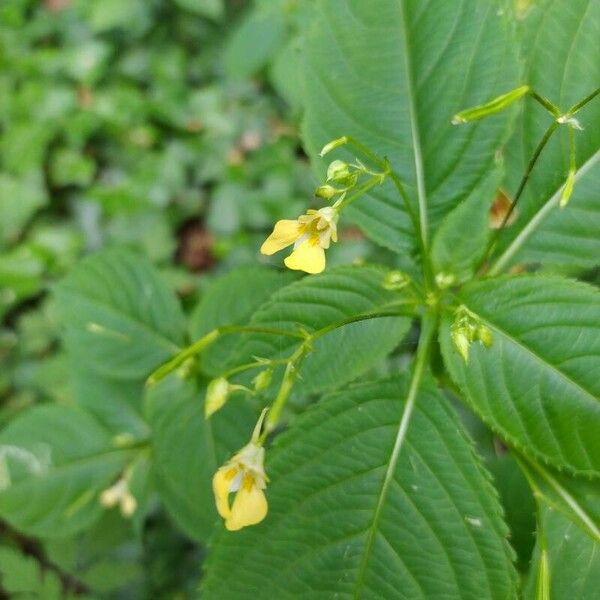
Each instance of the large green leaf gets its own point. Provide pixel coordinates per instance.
(318, 301)
(392, 74)
(352, 514)
(561, 51)
(121, 319)
(188, 449)
(54, 462)
(537, 385)
(573, 559)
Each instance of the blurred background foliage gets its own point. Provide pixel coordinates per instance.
(166, 126)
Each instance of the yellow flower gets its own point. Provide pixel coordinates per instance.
(244, 475)
(119, 494)
(311, 234)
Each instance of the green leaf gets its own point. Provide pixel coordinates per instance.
(19, 201)
(392, 76)
(121, 319)
(460, 241)
(537, 384)
(231, 300)
(338, 524)
(211, 9)
(54, 462)
(318, 301)
(577, 498)
(22, 574)
(117, 404)
(559, 43)
(255, 41)
(574, 561)
(188, 449)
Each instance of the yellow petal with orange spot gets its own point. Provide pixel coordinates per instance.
(221, 483)
(285, 233)
(249, 507)
(308, 257)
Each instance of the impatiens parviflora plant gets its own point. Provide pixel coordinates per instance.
(433, 298)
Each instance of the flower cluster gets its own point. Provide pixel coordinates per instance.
(312, 233)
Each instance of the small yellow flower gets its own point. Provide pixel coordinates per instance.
(119, 494)
(244, 475)
(311, 234)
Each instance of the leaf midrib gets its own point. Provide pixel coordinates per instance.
(428, 329)
(414, 128)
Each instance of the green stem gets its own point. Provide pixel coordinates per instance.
(536, 155)
(253, 365)
(577, 107)
(205, 341)
(549, 106)
(295, 361)
(359, 192)
(285, 389)
(420, 228)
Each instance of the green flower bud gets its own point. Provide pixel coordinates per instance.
(461, 342)
(327, 192)
(216, 395)
(445, 280)
(263, 380)
(484, 335)
(395, 280)
(339, 171)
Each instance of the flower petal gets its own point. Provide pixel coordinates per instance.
(221, 486)
(308, 257)
(285, 232)
(249, 507)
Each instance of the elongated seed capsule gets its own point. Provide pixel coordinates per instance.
(490, 108)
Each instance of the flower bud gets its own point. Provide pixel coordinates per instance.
(445, 280)
(339, 171)
(395, 280)
(461, 342)
(262, 380)
(484, 335)
(326, 191)
(216, 395)
(333, 145)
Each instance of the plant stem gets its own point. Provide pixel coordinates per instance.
(549, 106)
(295, 361)
(205, 341)
(419, 227)
(363, 189)
(577, 107)
(532, 162)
